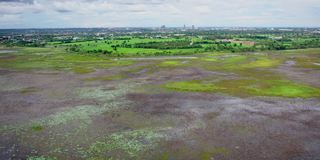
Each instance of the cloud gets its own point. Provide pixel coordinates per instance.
(63, 10)
(110, 13)
(136, 2)
(18, 7)
(18, 1)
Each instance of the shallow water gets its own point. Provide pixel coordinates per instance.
(8, 51)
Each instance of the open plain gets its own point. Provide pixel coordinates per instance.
(57, 105)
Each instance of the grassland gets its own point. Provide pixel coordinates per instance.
(58, 59)
(241, 87)
(148, 46)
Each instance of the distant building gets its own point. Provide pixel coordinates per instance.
(163, 28)
(276, 37)
(184, 28)
(75, 38)
(179, 35)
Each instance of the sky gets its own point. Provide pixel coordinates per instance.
(154, 13)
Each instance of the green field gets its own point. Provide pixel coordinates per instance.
(148, 46)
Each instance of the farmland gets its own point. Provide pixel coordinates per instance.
(145, 46)
(61, 104)
(120, 42)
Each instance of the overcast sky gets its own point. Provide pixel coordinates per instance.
(153, 13)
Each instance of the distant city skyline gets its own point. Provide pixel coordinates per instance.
(155, 13)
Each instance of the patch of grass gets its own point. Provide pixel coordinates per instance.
(170, 63)
(282, 88)
(82, 70)
(36, 50)
(146, 69)
(234, 59)
(57, 59)
(239, 62)
(118, 63)
(249, 87)
(242, 128)
(106, 78)
(37, 127)
(286, 89)
(28, 90)
(164, 156)
(300, 51)
(80, 58)
(134, 48)
(224, 63)
(308, 61)
(210, 59)
(261, 63)
(193, 86)
(208, 155)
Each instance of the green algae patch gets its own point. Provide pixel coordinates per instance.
(36, 127)
(286, 89)
(130, 143)
(277, 88)
(248, 87)
(208, 155)
(170, 64)
(243, 129)
(310, 61)
(237, 63)
(57, 59)
(29, 90)
(234, 59)
(300, 51)
(225, 63)
(82, 70)
(261, 63)
(192, 86)
(106, 78)
(210, 59)
(32, 64)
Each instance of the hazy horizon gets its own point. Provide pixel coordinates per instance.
(24, 14)
(156, 27)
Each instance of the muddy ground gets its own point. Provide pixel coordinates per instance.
(125, 112)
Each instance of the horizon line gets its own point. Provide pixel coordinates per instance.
(188, 27)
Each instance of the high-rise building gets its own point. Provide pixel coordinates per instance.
(162, 28)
